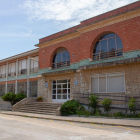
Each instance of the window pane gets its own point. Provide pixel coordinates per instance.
(95, 85)
(58, 91)
(116, 83)
(53, 96)
(64, 85)
(64, 96)
(64, 56)
(54, 91)
(102, 84)
(103, 46)
(107, 36)
(69, 91)
(97, 47)
(58, 96)
(119, 43)
(58, 57)
(64, 91)
(54, 86)
(59, 86)
(111, 44)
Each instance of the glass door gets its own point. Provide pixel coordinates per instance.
(61, 90)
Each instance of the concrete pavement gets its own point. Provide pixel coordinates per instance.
(108, 121)
(26, 128)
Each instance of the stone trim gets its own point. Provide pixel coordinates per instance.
(92, 26)
(106, 64)
(59, 72)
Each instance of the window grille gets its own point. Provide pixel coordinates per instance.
(108, 83)
(108, 46)
(33, 88)
(22, 88)
(11, 88)
(2, 90)
(61, 59)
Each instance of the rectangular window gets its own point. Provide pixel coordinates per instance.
(108, 83)
(61, 89)
(33, 88)
(12, 69)
(11, 88)
(23, 66)
(2, 90)
(3, 71)
(22, 88)
(34, 64)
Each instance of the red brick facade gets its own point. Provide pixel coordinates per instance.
(82, 46)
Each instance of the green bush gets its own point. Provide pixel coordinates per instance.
(19, 97)
(118, 114)
(71, 107)
(83, 112)
(12, 97)
(94, 102)
(132, 106)
(40, 98)
(107, 105)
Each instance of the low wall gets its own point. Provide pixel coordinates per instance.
(24, 101)
(4, 105)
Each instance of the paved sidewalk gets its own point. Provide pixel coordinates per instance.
(109, 121)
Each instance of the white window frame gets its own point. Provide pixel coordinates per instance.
(113, 74)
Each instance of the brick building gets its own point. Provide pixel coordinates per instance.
(100, 55)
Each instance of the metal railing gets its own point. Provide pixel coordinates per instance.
(22, 71)
(3, 75)
(119, 101)
(12, 74)
(34, 69)
(61, 64)
(110, 54)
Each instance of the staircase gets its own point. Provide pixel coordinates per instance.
(48, 108)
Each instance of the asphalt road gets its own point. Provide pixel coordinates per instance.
(25, 128)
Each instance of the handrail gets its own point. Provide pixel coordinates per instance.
(110, 54)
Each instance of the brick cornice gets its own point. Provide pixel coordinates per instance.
(110, 21)
(58, 40)
(93, 26)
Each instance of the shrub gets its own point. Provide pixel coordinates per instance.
(12, 97)
(94, 102)
(132, 106)
(9, 97)
(40, 99)
(118, 114)
(19, 97)
(107, 105)
(71, 107)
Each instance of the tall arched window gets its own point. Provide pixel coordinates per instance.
(61, 58)
(107, 46)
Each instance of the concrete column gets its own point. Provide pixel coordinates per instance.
(16, 88)
(6, 77)
(28, 72)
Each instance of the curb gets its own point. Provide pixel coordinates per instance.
(61, 118)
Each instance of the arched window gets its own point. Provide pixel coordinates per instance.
(61, 58)
(107, 46)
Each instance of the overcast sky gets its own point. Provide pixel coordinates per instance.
(24, 22)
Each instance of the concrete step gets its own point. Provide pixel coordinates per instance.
(35, 109)
(42, 105)
(37, 112)
(40, 108)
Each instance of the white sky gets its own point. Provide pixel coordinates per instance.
(24, 22)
